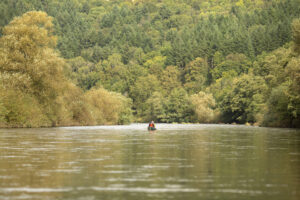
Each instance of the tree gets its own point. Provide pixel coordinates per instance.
(244, 101)
(155, 107)
(196, 75)
(155, 65)
(293, 72)
(272, 66)
(204, 105)
(278, 107)
(75, 107)
(113, 74)
(234, 63)
(296, 35)
(108, 107)
(143, 88)
(84, 74)
(208, 43)
(19, 109)
(178, 107)
(170, 79)
(29, 62)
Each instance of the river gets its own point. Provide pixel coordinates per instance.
(178, 162)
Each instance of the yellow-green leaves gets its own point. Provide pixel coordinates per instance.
(108, 107)
(204, 107)
(30, 70)
(26, 35)
(27, 53)
(34, 90)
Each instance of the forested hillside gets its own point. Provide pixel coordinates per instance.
(86, 62)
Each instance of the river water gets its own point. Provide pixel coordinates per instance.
(178, 162)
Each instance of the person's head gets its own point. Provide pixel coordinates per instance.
(152, 121)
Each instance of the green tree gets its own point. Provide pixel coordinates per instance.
(155, 65)
(178, 107)
(235, 63)
(293, 72)
(143, 88)
(245, 100)
(170, 79)
(155, 107)
(196, 75)
(84, 74)
(296, 35)
(278, 108)
(222, 86)
(113, 74)
(272, 66)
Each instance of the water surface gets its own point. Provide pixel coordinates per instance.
(129, 163)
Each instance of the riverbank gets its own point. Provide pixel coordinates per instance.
(144, 125)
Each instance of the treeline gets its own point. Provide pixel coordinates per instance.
(172, 61)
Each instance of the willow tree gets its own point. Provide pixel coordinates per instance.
(29, 63)
(108, 107)
(204, 106)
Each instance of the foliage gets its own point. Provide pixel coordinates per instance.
(235, 64)
(108, 107)
(178, 107)
(34, 89)
(197, 28)
(271, 67)
(28, 62)
(75, 109)
(143, 88)
(280, 69)
(83, 73)
(171, 61)
(296, 35)
(196, 75)
(170, 79)
(204, 107)
(278, 114)
(284, 100)
(156, 107)
(293, 73)
(244, 100)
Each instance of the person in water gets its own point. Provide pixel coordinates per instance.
(151, 126)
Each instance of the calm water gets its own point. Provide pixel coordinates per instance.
(181, 162)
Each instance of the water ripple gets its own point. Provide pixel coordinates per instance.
(141, 189)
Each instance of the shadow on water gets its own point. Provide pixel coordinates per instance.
(129, 162)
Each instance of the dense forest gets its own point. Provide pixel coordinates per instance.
(88, 62)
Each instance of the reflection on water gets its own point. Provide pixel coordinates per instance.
(128, 162)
